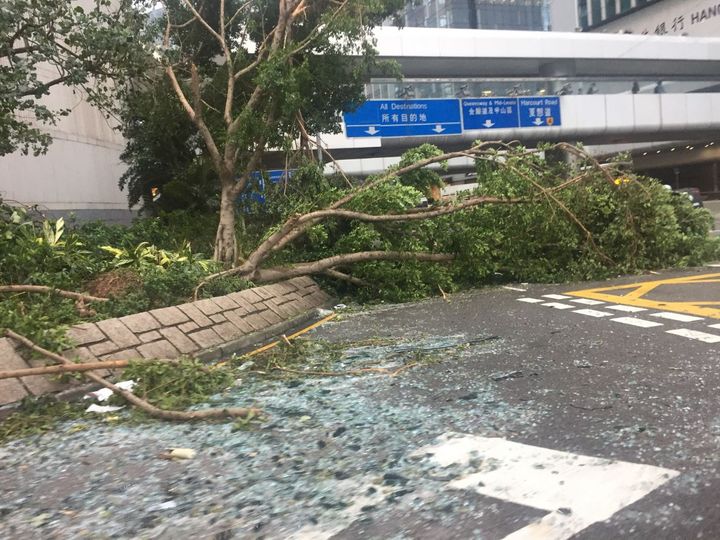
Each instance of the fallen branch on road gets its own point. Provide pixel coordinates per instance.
(59, 369)
(152, 410)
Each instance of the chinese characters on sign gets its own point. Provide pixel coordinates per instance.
(680, 23)
(404, 118)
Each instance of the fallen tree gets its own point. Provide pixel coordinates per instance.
(611, 217)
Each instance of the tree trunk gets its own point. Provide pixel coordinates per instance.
(225, 240)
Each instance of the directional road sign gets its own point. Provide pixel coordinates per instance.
(539, 111)
(404, 118)
(490, 113)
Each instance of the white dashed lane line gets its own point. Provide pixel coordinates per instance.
(676, 316)
(694, 334)
(558, 305)
(593, 313)
(632, 321)
(587, 301)
(627, 309)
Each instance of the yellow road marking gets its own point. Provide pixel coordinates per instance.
(636, 296)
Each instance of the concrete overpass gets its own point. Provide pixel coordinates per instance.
(689, 67)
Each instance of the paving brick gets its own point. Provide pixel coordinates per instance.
(181, 342)
(256, 321)
(218, 318)
(273, 305)
(158, 349)
(195, 314)
(140, 322)
(207, 306)
(125, 354)
(302, 282)
(82, 334)
(225, 302)
(188, 327)
(286, 287)
(251, 296)
(237, 317)
(270, 316)
(81, 354)
(169, 316)
(275, 290)
(206, 338)
(11, 390)
(147, 337)
(242, 302)
(39, 385)
(228, 331)
(103, 348)
(263, 292)
(118, 333)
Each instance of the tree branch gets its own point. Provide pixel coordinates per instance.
(320, 266)
(152, 410)
(50, 290)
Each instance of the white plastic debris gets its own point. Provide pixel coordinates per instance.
(103, 408)
(338, 307)
(169, 505)
(104, 393)
(323, 312)
(181, 453)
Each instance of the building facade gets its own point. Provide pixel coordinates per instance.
(484, 14)
(698, 18)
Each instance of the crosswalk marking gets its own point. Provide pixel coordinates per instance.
(558, 305)
(530, 300)
(628, 309)
(642, 323)
(676, 316)
(556, 296)
(694, 334)
(587, 301)
(576, 490)
(593, 313)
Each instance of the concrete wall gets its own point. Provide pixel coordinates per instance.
(206, 328)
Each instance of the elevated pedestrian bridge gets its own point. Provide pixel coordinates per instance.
(611, 88)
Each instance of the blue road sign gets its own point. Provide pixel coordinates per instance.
(539, 111)
(490, 113)
(404, 118)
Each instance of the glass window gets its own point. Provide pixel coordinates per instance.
(610, 8)
(596, 9)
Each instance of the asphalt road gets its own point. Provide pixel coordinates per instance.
(592, 413)
(595, 387)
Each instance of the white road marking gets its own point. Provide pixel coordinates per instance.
(530, 300)
(576, 490)
(694, 334)
(587, 301)
(629, 309)
(558, 305)
(713, 325)
(593, 313)
(556, 296)
(636, 322)
(514, 288)
(676, 316)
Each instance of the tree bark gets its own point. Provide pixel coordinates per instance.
(225, 239)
